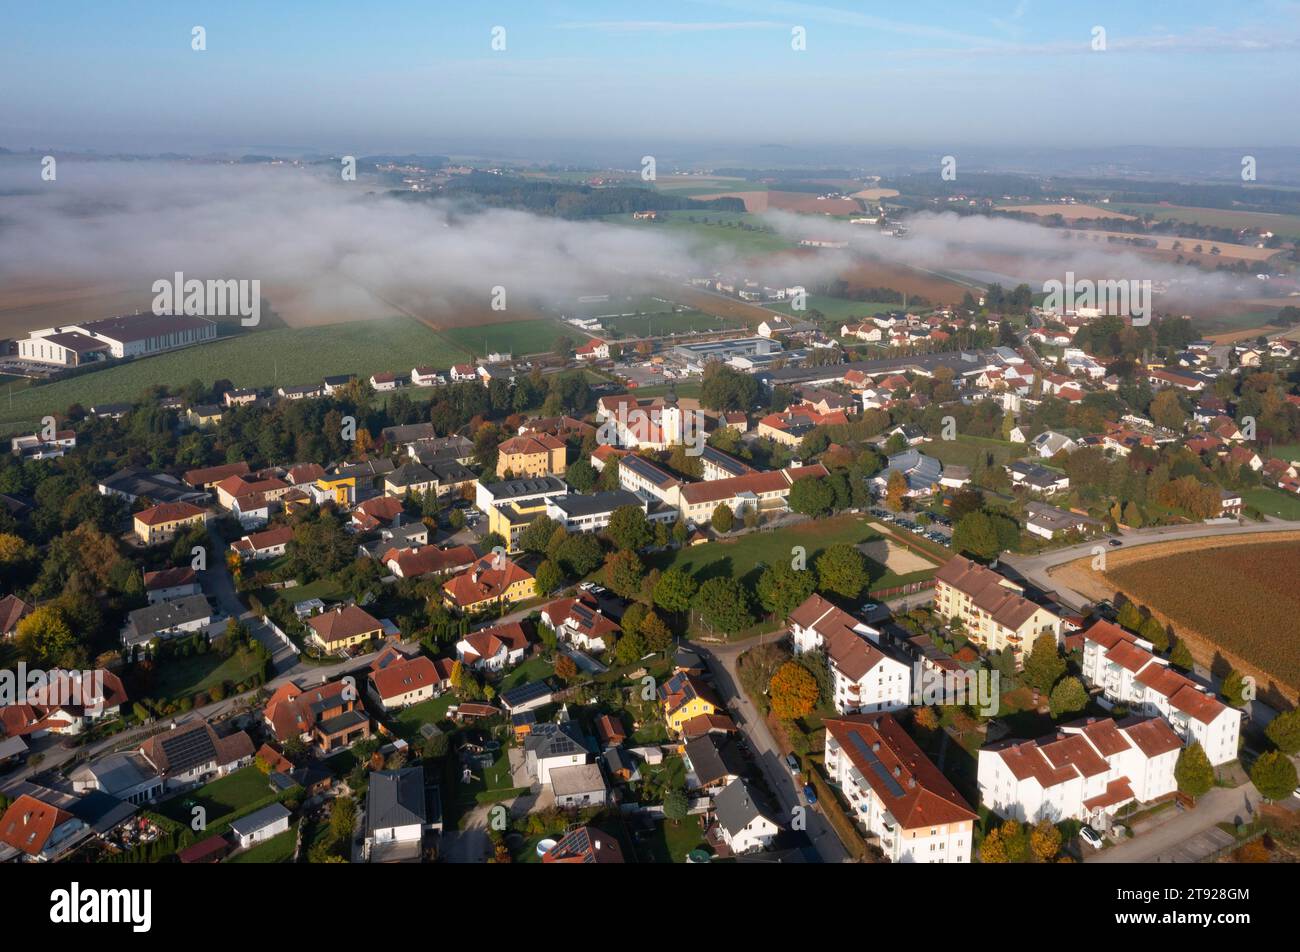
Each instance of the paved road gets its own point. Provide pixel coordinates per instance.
(771, 759)
(1190, 836)
(1035, 567)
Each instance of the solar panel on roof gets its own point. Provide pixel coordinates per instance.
(526, 692)
(188, 750)
(892, 785)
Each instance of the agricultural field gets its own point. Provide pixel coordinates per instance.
(742, 233)
(1287, 226)
(1068, 212)
(1249, 616)
(839, 310)
(687, 321)
(267, 358)
(1273, 502)
(518, 338)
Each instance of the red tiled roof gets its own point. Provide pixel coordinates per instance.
(28, 824)
(402, 677)
(166, 512)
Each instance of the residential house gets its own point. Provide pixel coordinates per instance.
(489, 581)
(585, 844)
(745, 825)
(343, 627)
(397, 814)
(578, 621)
(181, 616)
(495, 648)
(420, 561)
(712, 762)
(552, 745)
(579, 786)
(684, 697)
(867, 675)
(329, 716)
(270, 544)
(537, 454)
(993, 609)
(37, 830)
(167, 584)
(163, 522)
(404, 682)
(191, 754)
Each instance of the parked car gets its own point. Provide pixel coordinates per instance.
(1091, 837)
(809, 794)
(792, 762)
(869, 607)
(1116, 541)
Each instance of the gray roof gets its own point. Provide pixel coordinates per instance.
(535, 486)
(396, 798)
(258, 819)
(135, 482)
(735, 806)
(120, 771)
(144, 622)
(409, 474)
(714, 758)
(577, 778)
(576, 506)
(922, 471)
(556, 740)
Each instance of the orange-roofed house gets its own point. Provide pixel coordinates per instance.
(896, 793)
(489, 581)
(405, 682)
(343, 627)
(37, 830)
(533, 454)
(495, 648)
(163, 522)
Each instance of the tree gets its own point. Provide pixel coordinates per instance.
(675, 806)
(1155, 633)
(723, 519)
(1045, 841)
(842, 570)
(623, 573)
(44, 636)
(781, 589)
(725, 388)
(579, 554)
(1284, 732)
(1068, 697)
(547, 578)
(537, 534)
(1044, 666)
(1181, 656)
(1166, 411)
(812, 497)
(793, 691)
(1234, 688)
(628, 528)
(1273, 775)
(629, 649)
(976, 536)
(1193, 772)
(658, 636)
(581, 475)
(723, 603)
(565, 668)
(895, 491)
(1005, 844)
(1130, 616)
(674, 590)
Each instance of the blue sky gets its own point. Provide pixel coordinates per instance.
(421, 75)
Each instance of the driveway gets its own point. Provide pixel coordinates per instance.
(1189, 836)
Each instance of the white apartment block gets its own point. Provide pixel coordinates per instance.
(895, 793)
(1128, 673)
(865, 678)
(1085, 772)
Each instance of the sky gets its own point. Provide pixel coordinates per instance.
(422, 75)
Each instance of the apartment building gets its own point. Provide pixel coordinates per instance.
(993, 609)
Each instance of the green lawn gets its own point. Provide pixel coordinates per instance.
(183, 677)
(485, 786)
(672, 841)
(721, 228)
(433, 711)
(517, 338)
(742, 558)
(266, 358)
(223, 799)
(1273, 502)
(535, 668)
(969, 450)
(278, 849)
(326, 589)
(1288, 226)
(838, 310)
(661, 324)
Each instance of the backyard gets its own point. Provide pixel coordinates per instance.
(223, 800)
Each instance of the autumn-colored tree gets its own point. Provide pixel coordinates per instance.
(896, 491)
(927, 718)
(1045, 841)
(793, 691)
(565, 668)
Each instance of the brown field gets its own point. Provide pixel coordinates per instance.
(1238, 599)
(1165, 247)
(876, 194)
(720, 306)
(31, 305)
(1068, 212)
(880, 274)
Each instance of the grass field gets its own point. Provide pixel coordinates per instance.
(1243, 599)
(838, 310)
(1273, 502)
(1288, 226)
(744, 558)
(278, 849)
(511, 337)
(222, 799)
(667, 322)
(285, 357)
(970, 450)
(432, 711)
(184, 677)
(713, 228)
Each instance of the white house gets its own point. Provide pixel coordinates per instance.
(743, 823)
(550, 746)
(866, 676)
(579, 622)
(396, 815)
(427, 377)
(1086, 772)
(1123, 666)
(896, 793)
(493, 649)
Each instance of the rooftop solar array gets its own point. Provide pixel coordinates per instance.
(873, 763)
(188, 750)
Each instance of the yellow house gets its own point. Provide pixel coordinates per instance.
(343, 627)
(512, 518)
(490, 580)
(537, 454)
(684, 697)
(342, 488)
(163, 522)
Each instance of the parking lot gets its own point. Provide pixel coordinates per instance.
(939, 531)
